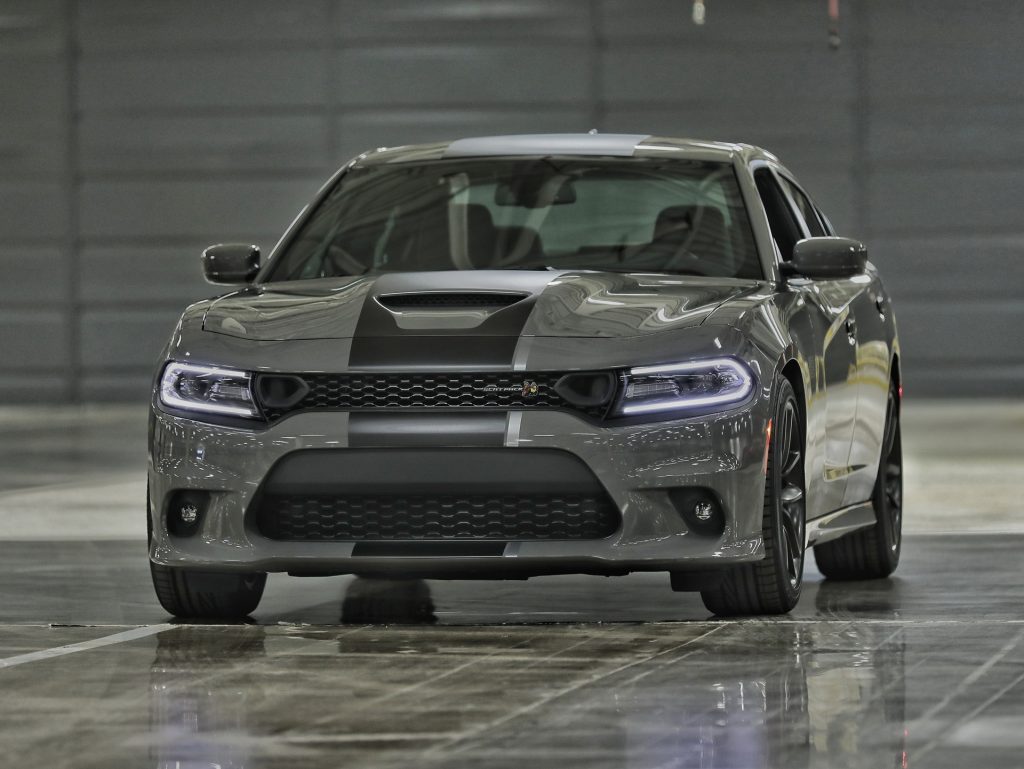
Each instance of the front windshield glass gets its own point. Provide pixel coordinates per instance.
(624, 215)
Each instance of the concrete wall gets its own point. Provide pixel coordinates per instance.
(135, 132)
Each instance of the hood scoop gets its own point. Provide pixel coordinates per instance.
(449, 300)
(448, 310)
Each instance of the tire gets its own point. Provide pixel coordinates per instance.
(192, 594)
(203, 595)
(773, 585)
(874, 553)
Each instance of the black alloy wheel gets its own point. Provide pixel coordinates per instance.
(791, 495)
(874, 552)
(773, 585)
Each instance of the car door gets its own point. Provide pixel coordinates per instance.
(830, 303)
(864, 321)
(871, 312)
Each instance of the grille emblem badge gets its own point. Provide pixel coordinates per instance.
(529, 389)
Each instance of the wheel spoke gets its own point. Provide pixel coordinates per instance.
(784, 437)
(791, 500)
(895, 498)
(792, 529)
(889, 438)
(894, 486)
(793, 551)
(790, 453)
(788, 480)
(892, 480)
(791, 463)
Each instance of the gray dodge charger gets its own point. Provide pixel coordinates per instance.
(515, 356)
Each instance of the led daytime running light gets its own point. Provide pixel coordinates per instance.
(684, 402)
(175, 372)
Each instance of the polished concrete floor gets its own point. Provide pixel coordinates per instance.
(925, 669)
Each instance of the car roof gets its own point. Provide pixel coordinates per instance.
(583, 144)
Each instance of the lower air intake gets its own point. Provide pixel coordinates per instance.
(382, 517)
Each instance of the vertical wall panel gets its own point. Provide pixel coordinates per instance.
(945, 177)
(488, 74)
(35, 220)
(416, 21)
(225, 25)
(133, 133)
(199, 123)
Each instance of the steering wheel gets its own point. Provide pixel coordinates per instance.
(341, 258)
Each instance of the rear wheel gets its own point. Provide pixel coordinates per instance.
(773, 586)
(874, 552)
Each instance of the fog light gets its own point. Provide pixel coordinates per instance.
(700, 509)
(185, 510)
(190, 513)
(703, 511)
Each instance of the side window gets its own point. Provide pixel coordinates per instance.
(829, 229)
(807, 209)
(785, 229)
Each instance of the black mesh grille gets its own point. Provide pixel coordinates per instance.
(489, 390)
(442, 300)
(437, 518)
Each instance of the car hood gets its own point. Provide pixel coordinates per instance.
(476, 303)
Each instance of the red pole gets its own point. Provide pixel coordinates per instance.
(833, 24)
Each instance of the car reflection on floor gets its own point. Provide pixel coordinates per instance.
(202, 693)
(794, 694)
(388, 602)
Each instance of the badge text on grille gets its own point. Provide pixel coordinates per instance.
(528, 389)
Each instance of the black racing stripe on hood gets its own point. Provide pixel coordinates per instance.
(379, 342)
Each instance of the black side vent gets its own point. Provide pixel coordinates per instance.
(446, 300)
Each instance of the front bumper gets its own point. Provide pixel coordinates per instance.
(638, 465)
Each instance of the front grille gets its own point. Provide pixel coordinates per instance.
(483, 390)
(410, 517)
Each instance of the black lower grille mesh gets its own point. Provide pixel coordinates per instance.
(426, 517)
(486, 390)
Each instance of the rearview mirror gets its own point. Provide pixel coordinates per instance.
(827, 258)
(231, 263)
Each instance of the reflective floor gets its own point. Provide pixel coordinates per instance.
(926, 669)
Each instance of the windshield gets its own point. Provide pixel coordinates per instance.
(623, 214)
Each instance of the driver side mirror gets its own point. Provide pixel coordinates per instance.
(231, 263)
(827, 258)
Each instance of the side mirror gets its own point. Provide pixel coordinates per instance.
(827, 258)
(231, 263)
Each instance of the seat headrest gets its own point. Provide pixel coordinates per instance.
(478, 217)
(683, 219)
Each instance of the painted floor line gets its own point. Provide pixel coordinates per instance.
(928, 717)
(84, 646)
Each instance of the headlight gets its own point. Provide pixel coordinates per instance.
(696, 386)
(212, 390)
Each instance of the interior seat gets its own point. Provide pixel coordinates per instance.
(700, 230)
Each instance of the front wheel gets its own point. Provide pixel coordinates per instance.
(874, 553)
(773, 586)
(207, 595)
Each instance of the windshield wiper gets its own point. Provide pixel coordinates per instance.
(639, 270)
(530, 267)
